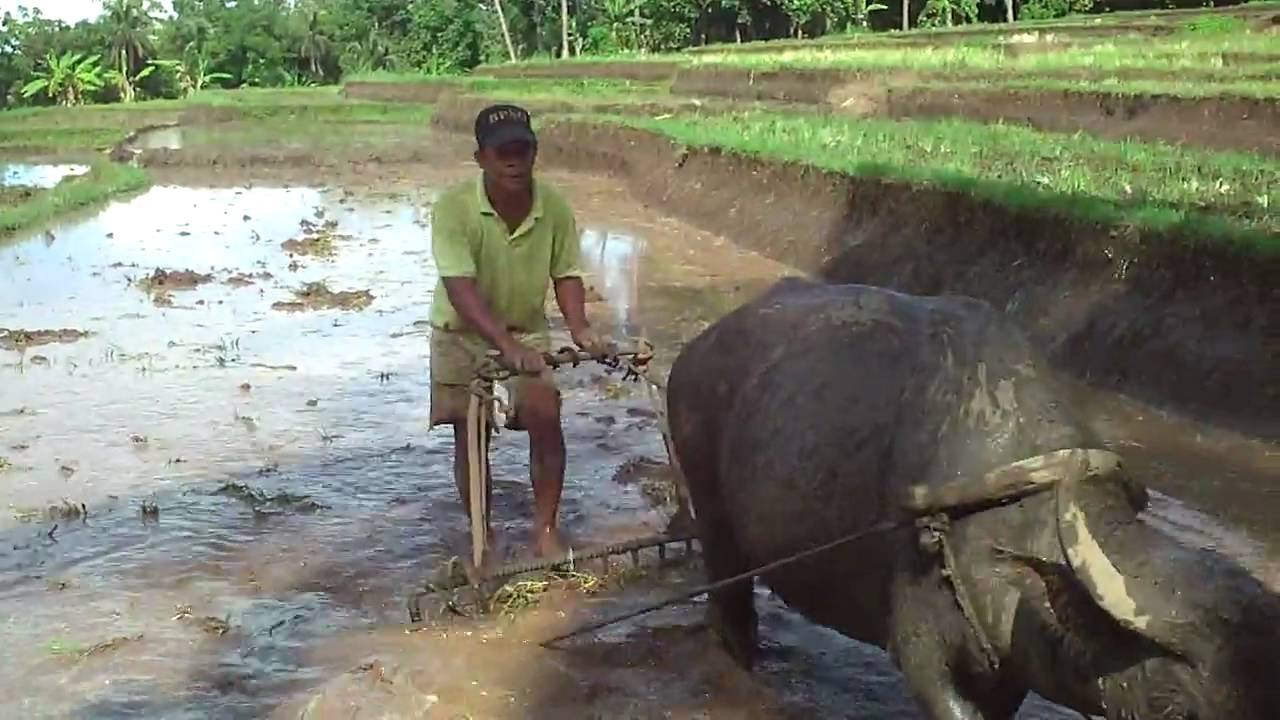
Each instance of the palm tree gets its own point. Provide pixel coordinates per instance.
(128, 24)
(314, 47)
(506, 31)
(66, 79)
(564, 28)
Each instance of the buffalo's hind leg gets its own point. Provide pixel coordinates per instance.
(731, 610)
(732, 615)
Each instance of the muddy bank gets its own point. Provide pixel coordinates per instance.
(424, 91)
(404, 152)
(1179, 326)
(1221, 123)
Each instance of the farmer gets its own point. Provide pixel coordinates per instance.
(499, 240)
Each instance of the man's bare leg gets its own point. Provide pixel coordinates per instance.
(539, 413)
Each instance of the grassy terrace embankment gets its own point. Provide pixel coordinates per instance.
(1191, 193)
(278, 121)
(1207, 79)
(1139, 267)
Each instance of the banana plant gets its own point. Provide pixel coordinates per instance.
(194, 75)
(67, 79)
(126, 84)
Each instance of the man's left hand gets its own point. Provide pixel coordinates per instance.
(595, 344)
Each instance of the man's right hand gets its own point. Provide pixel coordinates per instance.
(523, 359)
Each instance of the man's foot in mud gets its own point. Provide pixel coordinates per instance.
(549, 543)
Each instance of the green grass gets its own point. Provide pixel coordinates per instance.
(1184, 21)
(576, 90)
(1191, 53)
(44, 139)
(53, 130)
(104, 180)
(1222, 196)
(1257, 89)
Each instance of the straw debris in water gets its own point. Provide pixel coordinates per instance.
(519, 595)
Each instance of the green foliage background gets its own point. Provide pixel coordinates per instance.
(146, 50)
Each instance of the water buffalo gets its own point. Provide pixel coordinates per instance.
(1017, 559)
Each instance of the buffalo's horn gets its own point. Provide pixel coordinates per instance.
(1082, 547)
(1008, 482)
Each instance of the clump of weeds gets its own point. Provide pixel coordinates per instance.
(263, 503)
(226, 351)
(78, 653)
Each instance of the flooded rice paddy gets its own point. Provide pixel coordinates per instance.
(217, 483)
(37, 175)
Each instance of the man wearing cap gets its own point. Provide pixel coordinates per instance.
(499, 240)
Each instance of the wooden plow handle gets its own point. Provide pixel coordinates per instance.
(491, 370)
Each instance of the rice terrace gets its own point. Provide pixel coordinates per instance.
(222, 261)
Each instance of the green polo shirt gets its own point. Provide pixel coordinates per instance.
(512, 269)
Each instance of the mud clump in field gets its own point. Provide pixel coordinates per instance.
(245, 279)
(316, 241)
(317, 296)
(22, 339)
(162, 281)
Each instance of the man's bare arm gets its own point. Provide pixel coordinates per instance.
(571, 297)
(465, 298)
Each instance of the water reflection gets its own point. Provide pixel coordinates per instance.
(166, 138)
(39, 176)
(613, 258)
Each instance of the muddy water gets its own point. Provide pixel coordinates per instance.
(218, 604)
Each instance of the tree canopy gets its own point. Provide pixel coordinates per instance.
(140, 48)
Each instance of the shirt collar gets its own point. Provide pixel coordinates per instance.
(486, 207)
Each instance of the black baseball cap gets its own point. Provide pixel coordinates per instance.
(498, 124)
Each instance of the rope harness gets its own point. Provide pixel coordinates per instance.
(931, 511)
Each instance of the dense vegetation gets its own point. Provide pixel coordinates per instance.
(136, 49)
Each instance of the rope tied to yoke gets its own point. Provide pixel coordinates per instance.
(931, 510)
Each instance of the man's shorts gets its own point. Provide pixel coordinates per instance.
(454, 359)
